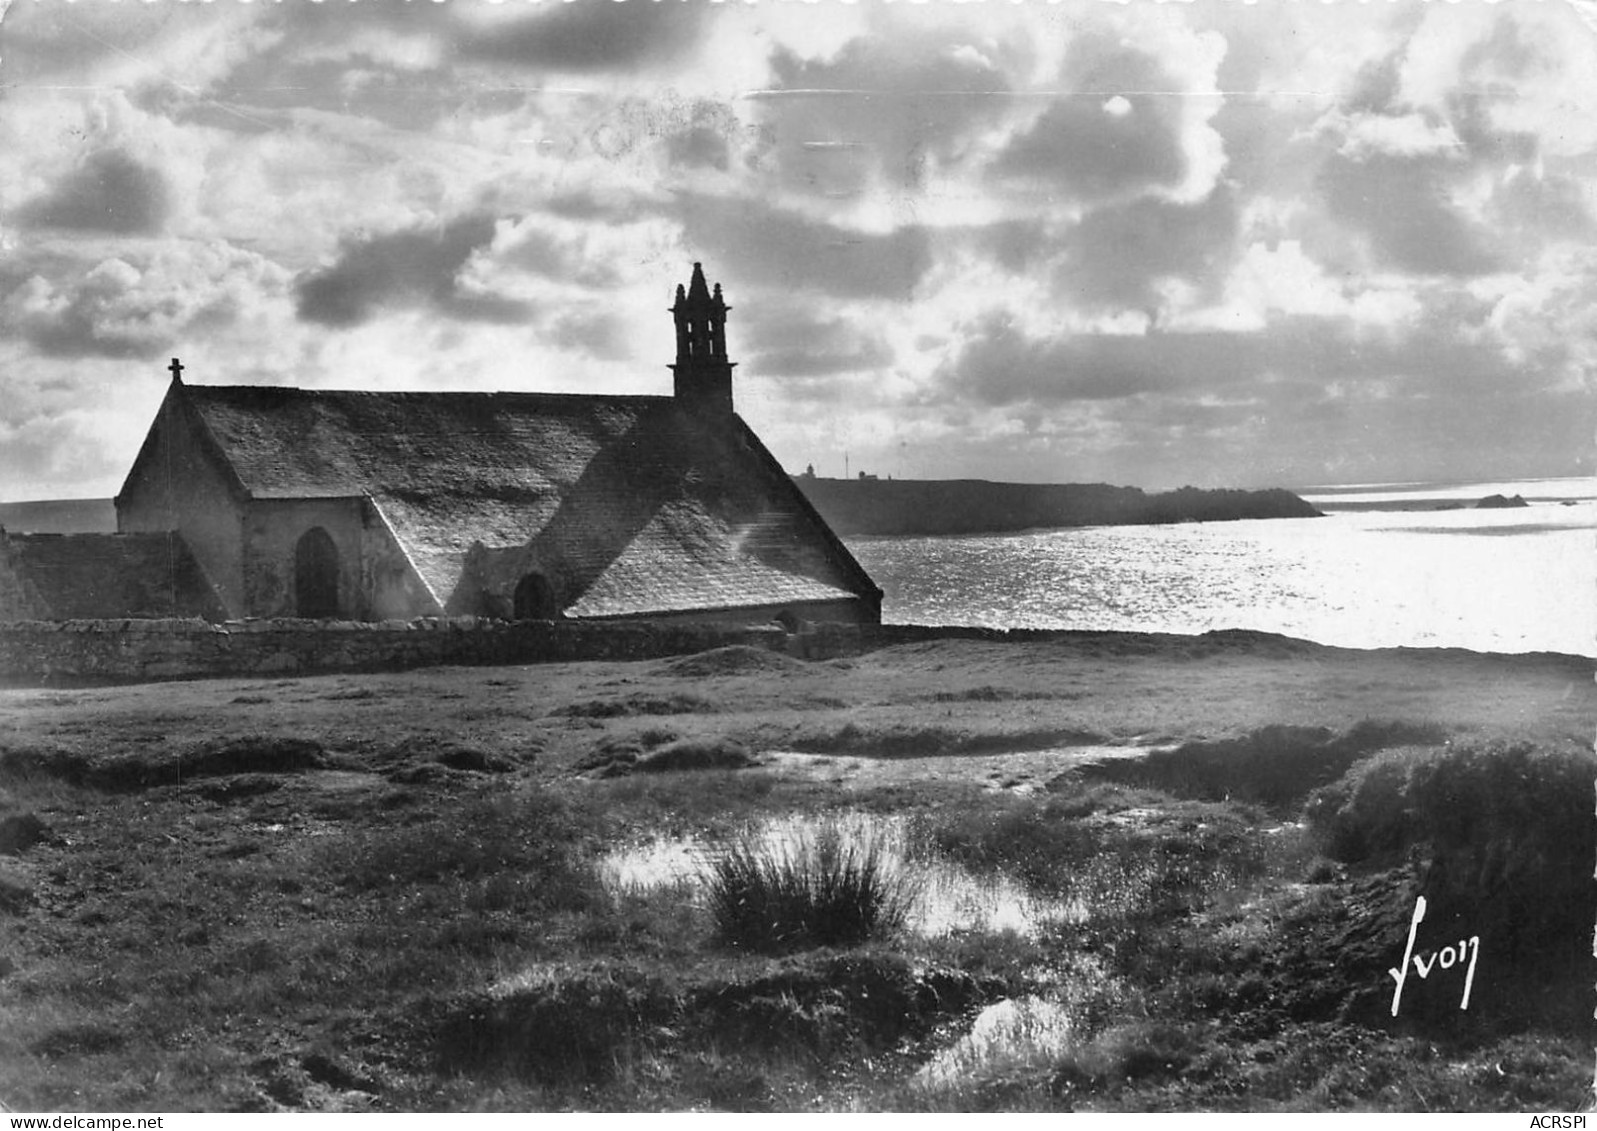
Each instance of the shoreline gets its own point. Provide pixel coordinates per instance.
(1223, 635)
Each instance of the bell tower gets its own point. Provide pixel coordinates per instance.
(703, 375)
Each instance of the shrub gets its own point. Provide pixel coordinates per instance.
(825, 885)
(1505, 833)
(1274, 766)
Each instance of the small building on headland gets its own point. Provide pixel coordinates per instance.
(361, 505)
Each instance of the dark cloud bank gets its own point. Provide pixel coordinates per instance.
(410, 268)
(109, 192)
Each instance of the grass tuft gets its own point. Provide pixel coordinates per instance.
(829, 885)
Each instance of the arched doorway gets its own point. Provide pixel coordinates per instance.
(535, 599)
(316, 575)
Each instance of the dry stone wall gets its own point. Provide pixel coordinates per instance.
(122, 651)
(34, 653)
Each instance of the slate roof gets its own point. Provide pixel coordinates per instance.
(88, 576)
(649, 507)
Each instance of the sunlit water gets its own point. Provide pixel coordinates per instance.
(1513, 580)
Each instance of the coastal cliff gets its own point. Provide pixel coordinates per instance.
(975, 506)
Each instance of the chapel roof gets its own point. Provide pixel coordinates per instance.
(649, 506)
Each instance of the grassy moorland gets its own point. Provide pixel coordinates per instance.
(1111, 872)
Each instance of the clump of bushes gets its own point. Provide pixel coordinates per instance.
(822, 885)
(1274, 766)
(1504, 834)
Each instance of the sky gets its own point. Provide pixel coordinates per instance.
(1156, 244)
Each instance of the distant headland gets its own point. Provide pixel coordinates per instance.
(869, 505)
(885, 506)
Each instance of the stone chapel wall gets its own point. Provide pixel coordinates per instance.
(179, 487)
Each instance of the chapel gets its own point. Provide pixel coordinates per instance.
(366, 505)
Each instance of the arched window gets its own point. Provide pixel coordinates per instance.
(316, 575)
(535, 598)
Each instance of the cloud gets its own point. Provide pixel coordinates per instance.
(1017, 244)
(765, 245)
(1126, 255)
(596, 335)
(129, 48)
(562, 257)
(883, 107)
(108, 192)
(419, 266)
(1448, 354)
(1535, 207)
(396, 46)
(1441, 153)
(1161, 232)
(1304, 399)
(812, 345)
(699, 147)
(1547, 324)
(140, 304)
(1001, 365)
(1129, 123)
(587, 38)
(41, 453)
(1397, 135)
(1275, 277)
(1403, 206)
(92, 320)
(1096, 146)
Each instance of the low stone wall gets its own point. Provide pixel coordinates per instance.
(829, 639)
(130, 651)
(34, 653)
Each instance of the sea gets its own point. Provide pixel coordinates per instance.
(1390, 565)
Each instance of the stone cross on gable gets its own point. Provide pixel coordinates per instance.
(176, 369)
